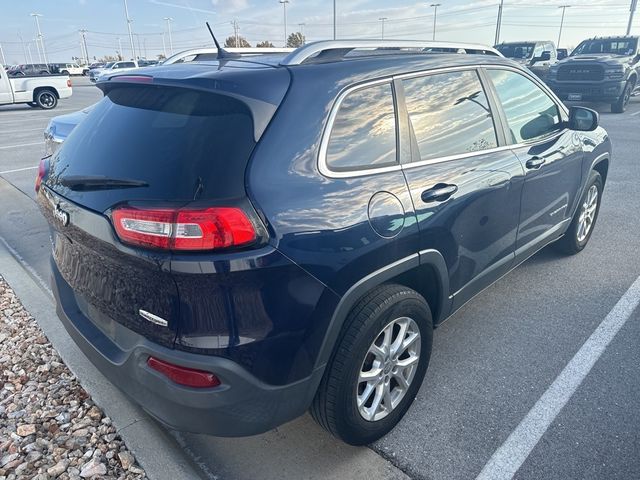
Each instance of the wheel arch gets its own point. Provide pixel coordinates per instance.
(602, 167)
(425, 272)
(37, 91)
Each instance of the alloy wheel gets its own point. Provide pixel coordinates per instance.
(388, 369)
(587, 213)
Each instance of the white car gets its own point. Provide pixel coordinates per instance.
(71, 69)
(112, 67)
(42, 91)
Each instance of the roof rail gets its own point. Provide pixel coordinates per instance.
(333, 50)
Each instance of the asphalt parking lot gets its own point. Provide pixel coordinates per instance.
(498, 397)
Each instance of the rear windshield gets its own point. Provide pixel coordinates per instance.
(185, 144)
(516, 50)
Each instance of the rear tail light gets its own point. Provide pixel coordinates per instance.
(43, 169)
(189, 377)
(184, 228)
(68, 82)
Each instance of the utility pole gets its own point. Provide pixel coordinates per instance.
(126, 14)
(236, 28)
(139, 48)
(334, 19)
(120, 55)
(164, 46)
(40, 36)
(284, 8)
(435, 14)
(169, 20)
(83, 33)
(499, 23)
(563, 7)
(302, 25)
(632, 9)
(4, 60)
(38, 47)
(382, 19)
(29, 50)
(24, 49)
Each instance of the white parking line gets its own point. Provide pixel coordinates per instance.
(6, 113)
(635, 113)
(18, 170)
(22, 130)
(21, 145)
(507, 459)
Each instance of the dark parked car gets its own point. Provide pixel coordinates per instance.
(604, 69)
(537, 56)
(238, 241)
(30, 69)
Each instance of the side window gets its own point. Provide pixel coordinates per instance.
(537, 51)
(530, 111)
(364, 131)
(449, 114)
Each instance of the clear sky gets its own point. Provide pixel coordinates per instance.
(258, 20)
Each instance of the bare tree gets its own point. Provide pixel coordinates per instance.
(295, 40)
(231, 42)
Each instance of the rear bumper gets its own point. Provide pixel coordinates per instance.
(605, 91)
(241, 406)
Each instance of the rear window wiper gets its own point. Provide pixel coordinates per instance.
(98, 182)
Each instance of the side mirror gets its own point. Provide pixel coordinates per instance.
(583, 119)
(545, 57)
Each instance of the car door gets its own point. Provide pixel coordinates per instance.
(550, 153)
(465, 184)
(6, 95)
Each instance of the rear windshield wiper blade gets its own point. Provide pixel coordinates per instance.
(97, 182)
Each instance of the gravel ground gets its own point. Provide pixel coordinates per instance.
(49, 426)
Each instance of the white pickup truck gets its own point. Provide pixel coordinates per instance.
(42, 91)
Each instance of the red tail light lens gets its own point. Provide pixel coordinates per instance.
(69, 82)
(43, 169)
(189, 377)
(184, 229)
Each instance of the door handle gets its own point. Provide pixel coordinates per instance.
(439, 192)
(535, 163)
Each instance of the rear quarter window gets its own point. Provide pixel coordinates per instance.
(363, 134)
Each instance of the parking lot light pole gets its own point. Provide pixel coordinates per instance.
(126, 14)
(563, 7)
(499, 22)
(284, 8)
(382, 19)
(169, 20)
(120, 56)
(302, 25)
(334, 19)
(40, 36)
(435, 15)
(632, 9)
(83, 33)
(38, 47)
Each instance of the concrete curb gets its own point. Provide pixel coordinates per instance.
(154, 447)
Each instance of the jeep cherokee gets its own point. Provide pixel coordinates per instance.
(238, 241)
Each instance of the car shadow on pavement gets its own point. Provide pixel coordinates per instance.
(298, 449)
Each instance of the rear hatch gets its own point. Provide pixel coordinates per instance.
(179, 140)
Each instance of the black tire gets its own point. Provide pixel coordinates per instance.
(335, 404)
(64, 72)
(33, 105)
(620, 105)
(572, 243)
(46, 99)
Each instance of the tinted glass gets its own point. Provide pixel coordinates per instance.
(364, 131)
(185, 144)
(616, 46)
(530, 112)
(449, 114)
(516, 50)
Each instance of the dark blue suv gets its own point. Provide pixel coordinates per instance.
(238, 241)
